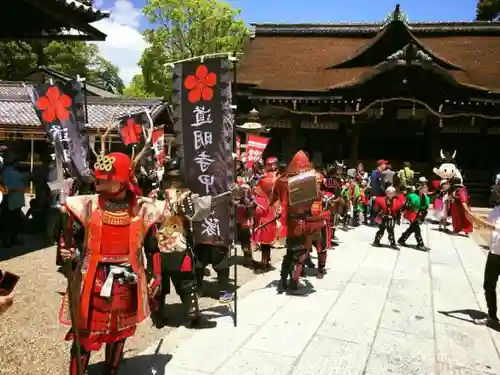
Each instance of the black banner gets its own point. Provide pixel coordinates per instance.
(60, 109)
(203, 120)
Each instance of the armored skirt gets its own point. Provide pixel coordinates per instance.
(110, 319)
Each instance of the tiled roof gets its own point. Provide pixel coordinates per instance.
(93, 89)
(371, 29)
(85, 11)
(300, 63)
(19, 110)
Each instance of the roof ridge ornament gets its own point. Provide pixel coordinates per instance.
(396, 16)
(410, 52)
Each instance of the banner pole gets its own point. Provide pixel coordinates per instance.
(234, 60)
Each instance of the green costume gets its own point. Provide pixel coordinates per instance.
(417, 206)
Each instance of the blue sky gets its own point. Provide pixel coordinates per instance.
(296, 11)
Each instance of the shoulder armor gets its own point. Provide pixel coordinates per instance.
(81, 206)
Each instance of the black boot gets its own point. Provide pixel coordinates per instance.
(282, 285)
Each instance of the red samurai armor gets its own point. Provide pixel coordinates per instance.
(113, 280)
(265, 216)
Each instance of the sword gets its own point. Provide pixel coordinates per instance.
(268, 222)
(73, 302)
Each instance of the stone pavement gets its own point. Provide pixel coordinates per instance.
(378, 311)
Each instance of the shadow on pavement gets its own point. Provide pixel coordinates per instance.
(31, 243)
(471, 314)
(138, 365)
(303, 291)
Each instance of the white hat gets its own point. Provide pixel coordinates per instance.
(423, 179)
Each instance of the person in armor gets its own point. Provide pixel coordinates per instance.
(265, 231)
(417, 204)
(386, 209)
(333, 181)
(175, 242)
(217, 255)
(324, 236)
(271, 166)
(296, 197)
(245, 207)
(114, 285)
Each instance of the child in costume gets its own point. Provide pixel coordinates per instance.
(351, 195)
(386, 210)
(417, 204)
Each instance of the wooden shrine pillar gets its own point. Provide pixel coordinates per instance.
(353, 156)
(291, 142)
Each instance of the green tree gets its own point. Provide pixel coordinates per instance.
(488, 10)
(137, 88)
(187, 28)
(105, 74)
(20, 58)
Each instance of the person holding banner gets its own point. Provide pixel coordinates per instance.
(175, 243)
(115, 284)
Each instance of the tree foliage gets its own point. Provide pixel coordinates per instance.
(20, 58)
(183, 29)
(137, 89)
(488, 10)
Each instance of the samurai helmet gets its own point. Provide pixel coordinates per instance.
(265, 186)
(300, 163)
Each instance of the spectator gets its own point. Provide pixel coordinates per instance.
(5, 303)
(16, 183)
(376, 187)
(361, 175)
(376, 182)
(388, 176)
(406, 175)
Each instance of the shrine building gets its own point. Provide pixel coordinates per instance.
(395, 90)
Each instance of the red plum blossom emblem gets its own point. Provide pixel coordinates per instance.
(200, 85)
(53, 105)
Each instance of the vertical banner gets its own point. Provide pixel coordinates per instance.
(238, 148)
(255, 148)
(203, 120)
(159, 146)
(60, 110)
(131, 129)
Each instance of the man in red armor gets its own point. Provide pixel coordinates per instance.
(115, 286)
(264, 220)
(299, 222)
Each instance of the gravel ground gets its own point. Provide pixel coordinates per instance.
(31, 339)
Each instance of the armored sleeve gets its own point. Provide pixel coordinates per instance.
(152, 252)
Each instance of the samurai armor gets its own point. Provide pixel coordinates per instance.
(302, 188)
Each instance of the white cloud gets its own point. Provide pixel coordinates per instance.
(124, 43)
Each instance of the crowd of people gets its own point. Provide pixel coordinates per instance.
(127, 249)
